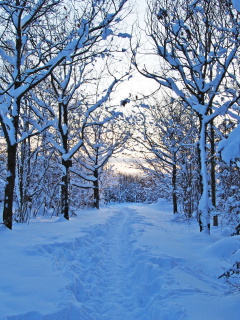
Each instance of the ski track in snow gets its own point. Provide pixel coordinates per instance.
(112, 279)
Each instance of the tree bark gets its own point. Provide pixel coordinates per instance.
(213, 167)
(174, 193)
(204, 203)
(9, 189)
(65, 190)
(96, 195)
(24, 167)
(63, 122)
(213, 164)
(12, 146)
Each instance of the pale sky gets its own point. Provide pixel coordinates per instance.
(138, 85)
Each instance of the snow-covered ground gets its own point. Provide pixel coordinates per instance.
(123, 262)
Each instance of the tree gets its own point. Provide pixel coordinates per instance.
(36, 37)
(104, 136)
(166, 128)
(228, 179)
(71, 108)
(197, 43)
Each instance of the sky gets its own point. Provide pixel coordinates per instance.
(236, 4)
(138, 85)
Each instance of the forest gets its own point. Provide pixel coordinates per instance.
(64, 114)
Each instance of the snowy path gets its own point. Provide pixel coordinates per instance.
(112, 279)
(112, 294)
(125, 262)
(158, 278)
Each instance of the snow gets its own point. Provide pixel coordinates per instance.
(73, 150)
(106, 32)
(124, 35)
(200, 109)
(126, 261)
(6, 57)
(230, 147)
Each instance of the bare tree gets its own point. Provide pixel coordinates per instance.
(103, 138)
(197, 43)
(165, 129)
(36, 37)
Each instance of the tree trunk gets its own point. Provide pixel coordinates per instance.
(96, 195)
(204, 203)
(63, 123)
(11, 166)
(174, 193)
(20, 181)
(9, 189)
(65, 189)
(213, 167)
(23, 179)
(213, 164)
(12, 147)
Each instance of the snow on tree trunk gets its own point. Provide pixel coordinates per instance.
(205, 202)
(213, 164)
